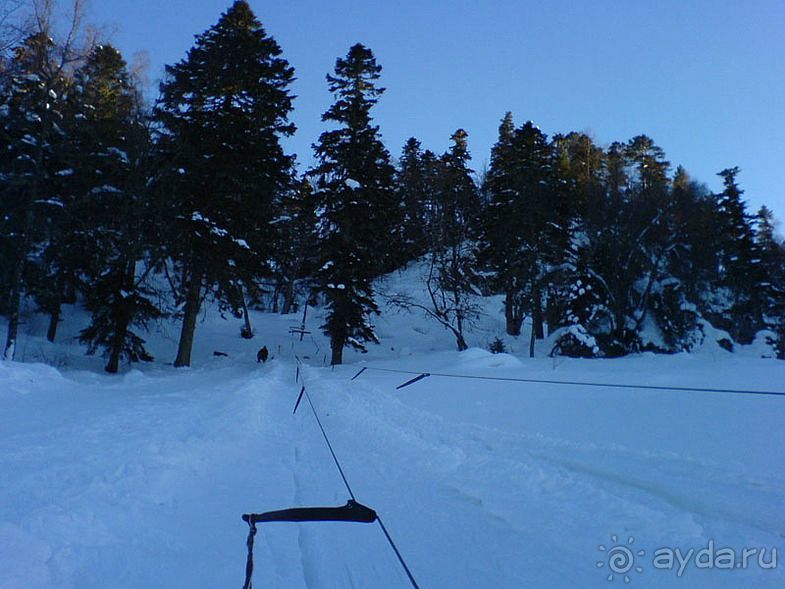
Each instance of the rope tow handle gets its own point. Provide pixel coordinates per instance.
(249, 560)
(351, 512)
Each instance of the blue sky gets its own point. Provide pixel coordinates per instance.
(705, 79)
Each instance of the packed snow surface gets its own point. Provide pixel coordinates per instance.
(140, 480)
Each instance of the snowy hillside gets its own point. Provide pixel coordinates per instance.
(139, 480)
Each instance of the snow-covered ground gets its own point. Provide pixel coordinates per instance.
(139, 480)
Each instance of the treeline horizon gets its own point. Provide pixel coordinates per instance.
(606, 249)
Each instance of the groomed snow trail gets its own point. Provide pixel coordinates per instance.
(499, 506)
(140, 481)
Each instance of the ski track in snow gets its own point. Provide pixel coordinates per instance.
(140, 480)
(236, 443)
(518, 482)
(85, 502)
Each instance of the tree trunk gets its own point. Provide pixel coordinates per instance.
(122, 314)
(113, 365)
(336, 347)
(121, 329)
(288, 298)
(513, 319)
(537, 326)
(276, 296)
(55, 307)
(192, 303)
(551, 313)
(54, 320)
(531, 341)
(461, 341)
(15, 301)
(69, 292)
(247, 331)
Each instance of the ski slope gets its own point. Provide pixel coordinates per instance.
(140, 480)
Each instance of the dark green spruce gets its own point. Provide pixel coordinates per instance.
(353, 183)
(112, 234)
(222, 113)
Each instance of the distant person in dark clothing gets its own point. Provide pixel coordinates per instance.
(262, 355)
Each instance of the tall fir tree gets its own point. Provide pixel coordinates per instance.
(616, 177)
(738, 265)
(294, 253)
(456, 200)
(354, 188)
(31, 113)
(520, 242)
(648, 164)
(452, 277)
(222, 112)
(770, 256)
(578, 168)
(414, 184)
(628, 253)
(500, 229)
(685, 234)
(114, 243)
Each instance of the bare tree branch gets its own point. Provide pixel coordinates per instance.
(450, 306)
(14, 25)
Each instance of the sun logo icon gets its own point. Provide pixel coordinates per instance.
(620, 559)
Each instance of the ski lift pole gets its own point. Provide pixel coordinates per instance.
(305, 314)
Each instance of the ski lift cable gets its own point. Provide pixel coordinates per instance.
(574, 383)
(387, 535)
(329, 445)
